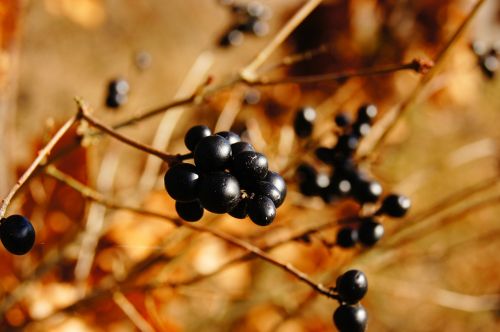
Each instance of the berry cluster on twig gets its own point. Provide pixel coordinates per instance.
(228, 176)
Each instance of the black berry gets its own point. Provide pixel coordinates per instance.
(17, 234)
(342, 120)
(240, 210)
(280, 184)
(367, 191)
(349, 318)
(189, 211)
(370, 232)
(261, 210)
(181, 182)
(239, 147)
(194, 135)
(326, 155)
(249, 165)
(395, 206)
(265, 188)
(347, 237)
(352, 286)
(304, 122)
(212, 153)
(230, 136)
(367, 113)
(219, 192)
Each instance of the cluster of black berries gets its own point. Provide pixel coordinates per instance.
(488, 57)
(351, 316)
(345, 179)
(17, 234)
(249, 19)
(117, 94)
(369, 231)
(228, 176)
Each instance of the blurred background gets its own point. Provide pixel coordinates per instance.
(97, 269)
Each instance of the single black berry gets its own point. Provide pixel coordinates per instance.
(17, 234)
(305, 172)
(346, 144)
(117, 93)
(367, 191)
(189, 211)
(118, 86)
(370, 232)
(181, 182)
(304, 122)
(348, 318)
(240, 210)
(212, 153)
(347, 237)
(219, 192)
(194, 135)
(230, 136)
(352, 286)
(261, 210)
(249, 165)
(342, 120)
(489, 65)
(395, 206)
(361, 129)
(115, 100)
(367, 113)
(265, 188)
(239, 147)
(232, 38)
(280, 184)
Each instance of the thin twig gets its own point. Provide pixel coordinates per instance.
(42, 154)
(168, 158)
(417, 65)
(99, 198)
(411, 99)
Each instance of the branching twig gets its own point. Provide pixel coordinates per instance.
(99, 198)
(42, 154)
(85, 114)
(411, 99)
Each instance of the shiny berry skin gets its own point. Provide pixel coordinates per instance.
(17, 234)
(116, 100)
(351, 286)
(304, 122)
(261, 210)
(212, 153)
(240, 210)
(232, 38)
(346, 144)
(219, 192)
(349, 318)
(189, 211)
(265, 188)
(342, 120)
(118, 86)
(370, 232)
(181, 182)
(194, 135)
(366, 191)
(239, 147)
(361, 129)
(280, 184)
(367, 113)
(347, 237)
(230, 136)
(395, 206)
(249, 165)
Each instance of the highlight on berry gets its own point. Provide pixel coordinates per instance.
(227, 176)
